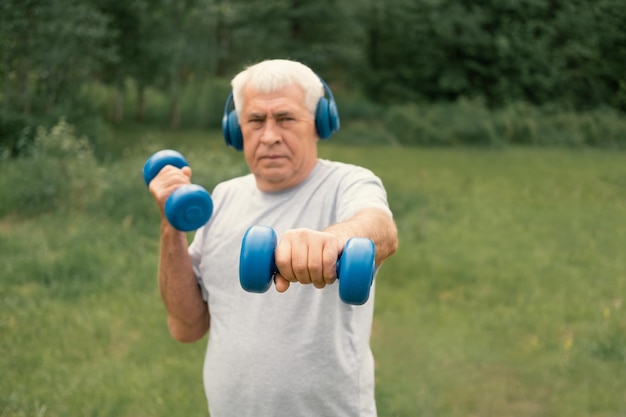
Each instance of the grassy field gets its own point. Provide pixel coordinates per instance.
(506, 297)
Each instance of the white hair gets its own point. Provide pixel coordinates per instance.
(274, 74)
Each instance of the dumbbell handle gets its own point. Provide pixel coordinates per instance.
(355, 267)
(189, 206)
(160, 160)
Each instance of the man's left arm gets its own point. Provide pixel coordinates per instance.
(372, 223)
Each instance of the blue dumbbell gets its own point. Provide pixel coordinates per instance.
(188, 207)
(257, 267)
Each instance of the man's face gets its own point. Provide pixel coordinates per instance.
(280, 141)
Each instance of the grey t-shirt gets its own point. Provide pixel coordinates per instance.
(300, 353)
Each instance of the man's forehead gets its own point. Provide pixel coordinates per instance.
(273, 104)
(275, 112)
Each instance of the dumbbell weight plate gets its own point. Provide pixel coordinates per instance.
(356, 271)
(188, 207)
(256, 264)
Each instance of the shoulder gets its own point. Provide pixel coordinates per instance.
(327, 164)
(235, 185)
(346, 175)
(343, 169)
(356, 188)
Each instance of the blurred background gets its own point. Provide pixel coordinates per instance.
(497, 127)
(510, 71)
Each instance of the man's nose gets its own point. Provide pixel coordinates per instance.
(271, 132)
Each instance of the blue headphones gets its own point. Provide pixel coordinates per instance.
(326, 119)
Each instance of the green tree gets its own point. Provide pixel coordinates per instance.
(189, 42)
(568, 52)
(326, 34)
(48, 51)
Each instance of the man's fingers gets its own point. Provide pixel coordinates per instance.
(282, 257)
(281, 283)
(307, 257)
(186, 171)
(329, 265)
(315, 266)
(300, 266)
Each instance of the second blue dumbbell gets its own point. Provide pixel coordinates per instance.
(355, 267)
(188, 207)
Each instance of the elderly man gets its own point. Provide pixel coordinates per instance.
(299, 350)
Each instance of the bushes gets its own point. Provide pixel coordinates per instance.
(58, 170)
(444, 124)
(17, 132)
(59, 173)
(469, 122)
(200, 103)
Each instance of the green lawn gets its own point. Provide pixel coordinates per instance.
(506, 297)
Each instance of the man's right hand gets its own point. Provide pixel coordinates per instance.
(168, 180)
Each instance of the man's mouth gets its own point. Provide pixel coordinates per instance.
(272, 157)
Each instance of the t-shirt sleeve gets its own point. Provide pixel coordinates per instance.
(195, 248)
(195, 251)
(361, 189)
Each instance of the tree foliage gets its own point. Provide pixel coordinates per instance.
(570, 54)
(541, 51)
(48, 49)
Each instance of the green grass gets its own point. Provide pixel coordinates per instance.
(506, 296)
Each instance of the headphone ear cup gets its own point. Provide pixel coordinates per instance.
(326, 114)
(324, 119)
(333, 116)
(230, 126)
(235, 138)
(322, 123)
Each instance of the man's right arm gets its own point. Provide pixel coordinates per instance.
(187, 312)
